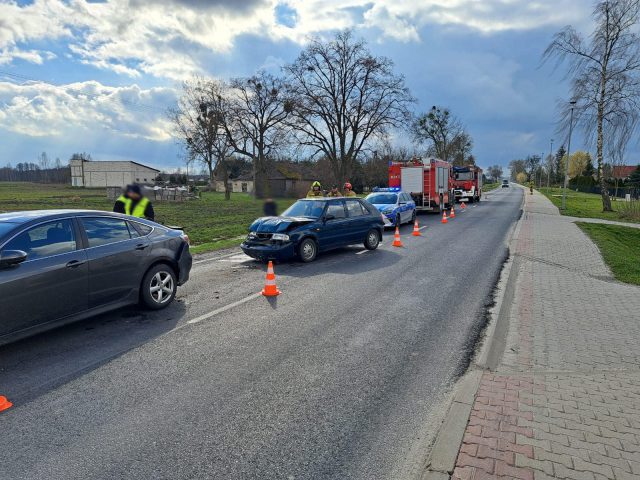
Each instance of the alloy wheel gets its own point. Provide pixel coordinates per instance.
(161, 287)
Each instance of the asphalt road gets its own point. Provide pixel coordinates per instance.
(342, 376)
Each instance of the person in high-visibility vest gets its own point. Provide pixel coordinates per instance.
(133, 203)
(316, 190)
(348, 190)
(334, 192)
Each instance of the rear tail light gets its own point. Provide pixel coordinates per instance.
(185, 237)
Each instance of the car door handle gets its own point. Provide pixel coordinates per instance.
(74, 263)
(142, 246)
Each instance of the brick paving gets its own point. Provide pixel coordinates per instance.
(565, 400)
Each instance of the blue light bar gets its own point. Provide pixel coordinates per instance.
(386, 189)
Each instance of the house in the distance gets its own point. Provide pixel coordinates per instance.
(89, 173)
(622, 172)
(241, 184)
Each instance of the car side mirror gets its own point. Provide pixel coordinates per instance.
(329, 217)
(9, 258)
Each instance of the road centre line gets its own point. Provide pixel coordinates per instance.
(217, 311)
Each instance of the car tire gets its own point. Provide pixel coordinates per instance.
(413, 217)
(398, 220)
(308, 250)
(372, 240)
(158, 288)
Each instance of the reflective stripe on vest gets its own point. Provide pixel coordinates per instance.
(138, 210)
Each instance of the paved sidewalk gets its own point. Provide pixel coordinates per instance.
(565, 400)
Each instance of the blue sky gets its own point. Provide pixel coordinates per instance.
(98, 76)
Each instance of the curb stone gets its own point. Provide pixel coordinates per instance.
(443, 456)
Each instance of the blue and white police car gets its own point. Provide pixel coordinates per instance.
(395, 205)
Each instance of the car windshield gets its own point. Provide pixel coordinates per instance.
(305, 208)
(383, 198)
(464, 175)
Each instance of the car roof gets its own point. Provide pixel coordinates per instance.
(315, 199)
(29, 215)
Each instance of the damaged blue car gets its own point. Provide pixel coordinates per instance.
(311, 226)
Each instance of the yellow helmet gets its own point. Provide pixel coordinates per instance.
(316, 184)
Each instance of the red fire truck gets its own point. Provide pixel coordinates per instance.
(467, 183)
(428, 181)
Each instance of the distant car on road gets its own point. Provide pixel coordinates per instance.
(59, 266)
(397, 206)
(311, 226)
(505, 183)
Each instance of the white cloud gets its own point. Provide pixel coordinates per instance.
(169, 38)
(77, 109)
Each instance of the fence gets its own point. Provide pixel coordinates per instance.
(166, 194)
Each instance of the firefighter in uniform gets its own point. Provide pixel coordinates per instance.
(334, 192)
(348, 190)
(133, 203)
(316, 190)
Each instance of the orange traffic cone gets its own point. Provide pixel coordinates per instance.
(453, 212)
(4, 403)
(270, 289)
(444, 216)
(396, 238)
(416, 230)
(462, 205)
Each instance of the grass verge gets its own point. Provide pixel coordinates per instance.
(211, 222)
(487, 187)
(585, 205)
(620, 248)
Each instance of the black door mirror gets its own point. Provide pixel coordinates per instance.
(9, 258)
(329, 217)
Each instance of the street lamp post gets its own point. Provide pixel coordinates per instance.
(549, 166)
(566, 163)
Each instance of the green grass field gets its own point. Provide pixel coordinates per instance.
(487, 187)
(585, 205)
(211, 222)
(620, 248)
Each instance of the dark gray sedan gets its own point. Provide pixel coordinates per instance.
(59, 266)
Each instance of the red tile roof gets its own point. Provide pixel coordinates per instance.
(623, 172)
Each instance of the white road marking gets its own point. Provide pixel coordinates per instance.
(207, 316)
(215, 259)
(422, 228)
(362, 251)
(237, 258)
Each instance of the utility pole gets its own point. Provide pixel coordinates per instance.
(566, 164)
(549, 166)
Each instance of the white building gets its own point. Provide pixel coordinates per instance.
(88, 173)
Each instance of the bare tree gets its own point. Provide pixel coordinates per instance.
(344, 97)
(255, 121)
(198, 122)
(460, 150)
(495, 172)
(618, 159)
(604, 74)
(444, 135)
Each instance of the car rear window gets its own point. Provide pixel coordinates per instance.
(355, 209)
(383, 198)
(105, 230)
(142, 229)
(336, 209)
